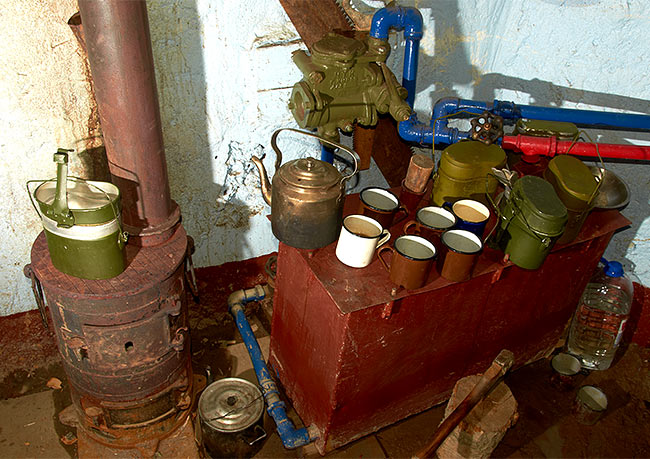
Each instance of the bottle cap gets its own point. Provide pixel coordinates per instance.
(613, 268)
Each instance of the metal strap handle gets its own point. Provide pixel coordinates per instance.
(278, 153)
(123, 236)
(37, 288)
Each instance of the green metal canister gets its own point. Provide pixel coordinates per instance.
(576, 186)
(531, 220)
(463, 172)
(81, 220)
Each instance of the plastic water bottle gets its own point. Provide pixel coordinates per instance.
(599, 321)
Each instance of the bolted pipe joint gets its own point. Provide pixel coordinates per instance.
(413, 131)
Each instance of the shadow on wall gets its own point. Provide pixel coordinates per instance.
(450, 67)
(210, 209)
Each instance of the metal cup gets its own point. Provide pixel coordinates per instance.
(471, 215)
(360, 236)
(589, 405)
(411, 261)
(566, 367)
(381, 205)
(460, 249)
(430, 222)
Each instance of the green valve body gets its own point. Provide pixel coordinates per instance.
(345, 81)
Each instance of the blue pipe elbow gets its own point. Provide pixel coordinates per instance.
(413, 131)
(411, 21)
(397, 17)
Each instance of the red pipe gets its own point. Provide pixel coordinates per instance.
(533, 147)
(121, 63)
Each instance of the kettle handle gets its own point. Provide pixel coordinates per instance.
(278, 153)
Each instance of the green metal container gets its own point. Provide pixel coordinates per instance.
(531, 220)
(463, 172)
(541, 128)
(577, 187)
(82, 224)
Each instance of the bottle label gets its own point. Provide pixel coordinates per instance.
(619, 335)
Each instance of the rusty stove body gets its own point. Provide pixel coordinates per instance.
(124, 341)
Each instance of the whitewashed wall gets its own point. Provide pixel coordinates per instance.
(224, 77)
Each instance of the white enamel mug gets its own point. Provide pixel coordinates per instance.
(360, 236)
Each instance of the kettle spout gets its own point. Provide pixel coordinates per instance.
(265, 185)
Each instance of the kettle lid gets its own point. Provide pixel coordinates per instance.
(309, 173)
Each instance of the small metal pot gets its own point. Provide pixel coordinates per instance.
(231, 416)
(306, 197)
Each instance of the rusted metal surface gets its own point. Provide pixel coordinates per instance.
(116, 34)
(124, 342)
(313, 20)
(391, 153)
(351, 365)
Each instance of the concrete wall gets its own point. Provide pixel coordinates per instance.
(44, 104)
(224, 77)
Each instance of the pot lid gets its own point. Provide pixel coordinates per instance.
(470, 159)
(89, 201)
(572, 177)
(231, 405)
(309, 173)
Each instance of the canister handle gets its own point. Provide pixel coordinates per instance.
(278, 153)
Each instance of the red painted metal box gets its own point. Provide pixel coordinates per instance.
(354, 358)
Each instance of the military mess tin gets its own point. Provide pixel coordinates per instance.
(576, 187)
(306, 197)
(464, 171)
(531, 219)
(81, 219)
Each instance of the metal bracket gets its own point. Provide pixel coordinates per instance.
(38, 292)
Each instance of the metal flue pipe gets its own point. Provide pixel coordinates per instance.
(121, 63)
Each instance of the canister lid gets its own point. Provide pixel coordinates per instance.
(573, 180)
(539, 205)
(309, 173)
(91, 202)
(469, 159)
(231, 405)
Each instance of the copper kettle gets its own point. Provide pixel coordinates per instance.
(306, 197)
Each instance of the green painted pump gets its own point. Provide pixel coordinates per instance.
(81, 219)
(345, 81)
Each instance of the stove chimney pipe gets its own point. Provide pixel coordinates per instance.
(121, 63)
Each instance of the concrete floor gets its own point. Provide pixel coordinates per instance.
(546, 426)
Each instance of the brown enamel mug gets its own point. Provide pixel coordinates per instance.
(381, 205)
(460, 250)
(411, 261)
(410, 199)
(430, 222)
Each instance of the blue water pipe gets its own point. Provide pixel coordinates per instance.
(290, 436)
(409, 19)
(327, 154)
(446, 108)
